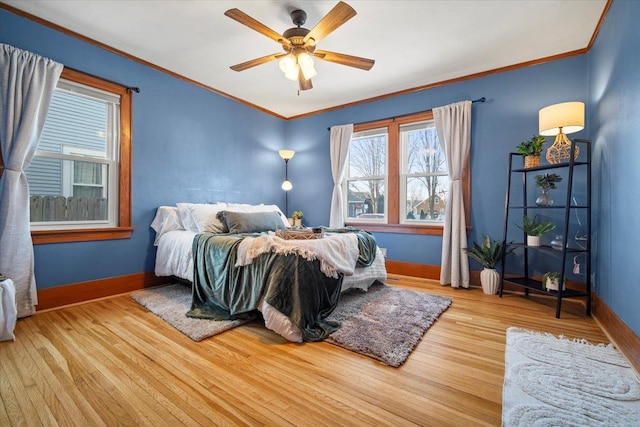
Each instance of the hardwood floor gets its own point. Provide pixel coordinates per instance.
(110, 362)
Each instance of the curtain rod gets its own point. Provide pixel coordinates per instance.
(129, 88)
(483, 99)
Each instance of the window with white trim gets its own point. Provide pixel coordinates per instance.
(73, 176)
(424, 182)
(367, 176)
(80, 176)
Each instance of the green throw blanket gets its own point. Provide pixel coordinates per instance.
(291, 284)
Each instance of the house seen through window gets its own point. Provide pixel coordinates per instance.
(74, 172)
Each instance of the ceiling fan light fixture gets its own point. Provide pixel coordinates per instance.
(292, 74)
(306, 64)
(299, 44)
(288, 63)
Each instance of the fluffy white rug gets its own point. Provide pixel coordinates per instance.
(553, 381)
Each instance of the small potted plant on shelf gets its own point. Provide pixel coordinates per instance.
(535, 229)
(297, 218)
(551, 281)
(489, 253)
(546, 182)
(531, 149)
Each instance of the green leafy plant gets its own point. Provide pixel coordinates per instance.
(548, 180)
(297, 215)
(531, 147)
(489, 253)
(534, 228)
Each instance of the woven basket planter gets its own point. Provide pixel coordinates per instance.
(531, 161)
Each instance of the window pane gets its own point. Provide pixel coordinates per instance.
(87, 173)
(366, 199)
(75, 122)
(57, 195)
(367, 156)
(423, 151)
(426, 197)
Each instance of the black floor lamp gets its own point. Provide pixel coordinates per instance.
(286, 185)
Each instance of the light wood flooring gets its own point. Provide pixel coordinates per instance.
(110, 362)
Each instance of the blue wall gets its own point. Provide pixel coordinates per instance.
(509, 116)
(188, 145)
(614, 92)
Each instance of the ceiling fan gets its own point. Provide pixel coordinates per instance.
(299, 44)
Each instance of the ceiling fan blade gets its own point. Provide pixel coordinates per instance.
(258, 61)
(245, 19)
(337, 16)
(302, 83)
(344, 59)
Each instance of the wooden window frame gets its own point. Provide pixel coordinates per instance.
(124, 229)
(393, 179)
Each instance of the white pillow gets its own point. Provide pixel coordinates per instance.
(186, 218)
(201, 217)
(167, 219)
(243, 207)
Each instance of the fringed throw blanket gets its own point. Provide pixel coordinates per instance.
(300, 281)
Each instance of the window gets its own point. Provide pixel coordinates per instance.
(396, 177)
(367, 175)
(79, 178)
(423, 181)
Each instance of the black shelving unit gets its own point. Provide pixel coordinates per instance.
(525, 280)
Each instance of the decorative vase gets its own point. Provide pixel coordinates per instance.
(297, 222)
(533, 240)
(557, 242)
(545, 198)
(490, 281)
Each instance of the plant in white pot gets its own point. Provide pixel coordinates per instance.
(534, 229)
(489, 253)
(551, 281)
(297, 218)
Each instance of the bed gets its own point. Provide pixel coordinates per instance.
(258, 268)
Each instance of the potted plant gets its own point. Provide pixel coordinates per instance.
(535, 229)
(551, 281)
(489, 253)
(531, 149)
(545, 182)
(297, 218)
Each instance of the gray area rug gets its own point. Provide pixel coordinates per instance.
(553, 381)
(170, 303)
(385, 323)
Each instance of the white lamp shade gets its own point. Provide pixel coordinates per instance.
(568, 115)
(286, 154)
(293, 73)
(286, 186)
(288, 63)
(306, 64)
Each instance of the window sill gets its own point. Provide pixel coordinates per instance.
(42, 237)
(432, 230)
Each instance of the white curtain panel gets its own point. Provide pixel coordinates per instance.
(339, 148)
(453, 123)
(27, 82)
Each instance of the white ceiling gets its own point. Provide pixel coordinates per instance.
(414, 43)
